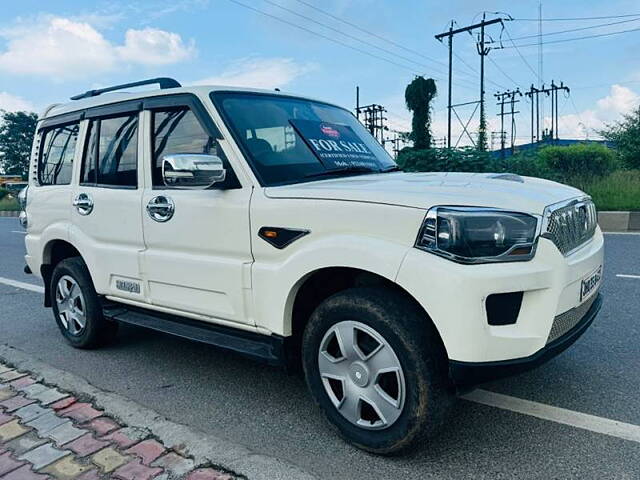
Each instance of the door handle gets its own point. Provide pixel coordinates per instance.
(83, 203)
(161, 208)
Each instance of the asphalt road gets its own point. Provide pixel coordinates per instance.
(271, 412)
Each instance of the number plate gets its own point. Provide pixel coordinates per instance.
(590, 284)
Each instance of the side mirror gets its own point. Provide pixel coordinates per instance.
(192, 170)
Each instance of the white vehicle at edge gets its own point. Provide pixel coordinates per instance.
(275, 226)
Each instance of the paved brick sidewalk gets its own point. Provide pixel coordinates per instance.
(46, 433)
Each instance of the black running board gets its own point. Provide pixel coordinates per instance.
(265, 348)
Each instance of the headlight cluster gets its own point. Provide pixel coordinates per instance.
(478, 235)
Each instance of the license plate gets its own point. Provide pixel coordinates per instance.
(590, 284)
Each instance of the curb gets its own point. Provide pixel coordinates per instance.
(9, 213)
(201, 447)
(619, 221)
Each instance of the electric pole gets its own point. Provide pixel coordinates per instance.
(507, 98)
(483, 51)
(374, 120)
(535, 102)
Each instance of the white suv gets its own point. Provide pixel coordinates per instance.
(277, 227)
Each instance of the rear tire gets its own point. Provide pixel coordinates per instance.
(76, 306)
(387, 389)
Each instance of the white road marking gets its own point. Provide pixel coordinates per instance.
(624, 275)
(18, 231)
(584, 421)
(23, 285)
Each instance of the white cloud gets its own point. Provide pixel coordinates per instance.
(64, 48)
(151, 46)
(12, 103)
(265, 73)
(620, 101)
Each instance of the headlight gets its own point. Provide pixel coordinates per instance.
(478, 235)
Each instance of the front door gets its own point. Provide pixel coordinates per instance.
(106, 218)
(198, 253)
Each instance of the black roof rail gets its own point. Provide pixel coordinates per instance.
(163, 82)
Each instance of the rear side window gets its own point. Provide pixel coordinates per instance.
(177, 130)
(111, 153)
(58, 149)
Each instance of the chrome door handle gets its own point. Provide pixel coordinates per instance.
(161, 208)
(83, 203)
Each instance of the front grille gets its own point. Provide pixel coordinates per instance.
(570, 226)
(569, 319)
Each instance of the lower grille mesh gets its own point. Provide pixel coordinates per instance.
(569, 319)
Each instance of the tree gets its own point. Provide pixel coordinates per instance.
(16, 136)
(625, 135)
(418, 95)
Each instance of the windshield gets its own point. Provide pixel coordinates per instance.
(289, 140)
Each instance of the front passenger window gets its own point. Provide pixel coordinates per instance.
(178, 130)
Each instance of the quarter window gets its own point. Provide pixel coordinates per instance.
(175, 131)
(58, 150)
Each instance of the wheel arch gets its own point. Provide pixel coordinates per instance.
(53, 253)
(318, 285)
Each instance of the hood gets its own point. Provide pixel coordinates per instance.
(424, 190)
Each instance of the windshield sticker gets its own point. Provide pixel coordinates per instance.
(336, 146)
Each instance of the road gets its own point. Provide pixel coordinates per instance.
(271, 412)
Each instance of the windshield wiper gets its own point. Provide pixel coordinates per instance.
(352, 169)
(393, 168)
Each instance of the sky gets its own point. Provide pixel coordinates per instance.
(52, 50)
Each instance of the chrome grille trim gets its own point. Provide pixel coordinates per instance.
(569, 319)
(569, 225)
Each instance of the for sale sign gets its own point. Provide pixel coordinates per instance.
(336, 146)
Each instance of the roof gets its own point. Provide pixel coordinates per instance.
(115, 97)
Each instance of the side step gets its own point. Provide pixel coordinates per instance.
(266, 348)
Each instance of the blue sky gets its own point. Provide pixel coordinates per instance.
(52, 50)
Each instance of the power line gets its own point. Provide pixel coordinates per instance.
(506, 75)
(559, 32)
(300, 27)
(522, 56)
(339, 42)
(402, 47)
(573, 39)
(570, 19)
(348, 35)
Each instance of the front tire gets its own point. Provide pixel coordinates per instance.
(76, 306)
(375, 365)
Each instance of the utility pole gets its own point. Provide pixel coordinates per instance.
(449, 107)
(483, 51)
(504, 98)
(374, 120)
(358, 102)
(555, 118)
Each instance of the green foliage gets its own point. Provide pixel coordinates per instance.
(578, 160)
(16, 136)
(625, 135)
(444, 160)
(418, 96)
(563, 164)
(3, 193)
(617, 191)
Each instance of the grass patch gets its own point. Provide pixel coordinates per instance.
(9, 203)
(617, 191)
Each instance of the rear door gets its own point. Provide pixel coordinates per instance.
(106, 218)
(198, 251)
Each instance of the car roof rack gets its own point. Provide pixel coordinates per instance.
(163, 82)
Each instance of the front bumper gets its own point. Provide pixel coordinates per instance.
(454, 296)
(468, 374)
